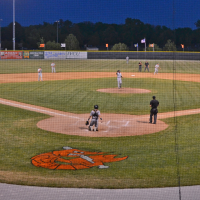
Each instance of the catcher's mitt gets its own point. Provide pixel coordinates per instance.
(87, 123)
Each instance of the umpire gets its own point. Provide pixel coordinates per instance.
(153, 104)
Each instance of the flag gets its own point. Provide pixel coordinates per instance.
(63, 45)
(151, 45)
(143, 40)
(135, 45)
(182, 45)
(106, 45)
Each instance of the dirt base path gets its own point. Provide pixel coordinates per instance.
(30, 77)
(113, 125)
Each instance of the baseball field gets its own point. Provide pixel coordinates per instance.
(45, 142)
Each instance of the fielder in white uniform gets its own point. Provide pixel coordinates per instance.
(119, 79)
(95, 115)
(40, 74)
(127, 59)
(53, 67)
(156, 68)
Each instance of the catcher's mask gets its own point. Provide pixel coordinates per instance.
(96, 106)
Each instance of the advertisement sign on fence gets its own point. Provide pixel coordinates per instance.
(36, 55)
(26, 55)
(76, 55)
(11, 54)
(54, 55)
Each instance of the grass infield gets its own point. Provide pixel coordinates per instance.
(151, 158)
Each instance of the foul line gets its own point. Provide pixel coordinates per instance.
(19, 105)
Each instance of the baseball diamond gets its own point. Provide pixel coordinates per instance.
(40, 117)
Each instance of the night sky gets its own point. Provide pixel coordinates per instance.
(155, 12)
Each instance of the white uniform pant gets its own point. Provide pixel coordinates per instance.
(119, 81)
(53, 69)
(156, 71)
(39, 76)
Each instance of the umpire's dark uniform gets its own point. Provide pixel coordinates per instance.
(153, 104)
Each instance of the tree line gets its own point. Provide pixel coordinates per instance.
(88, 34)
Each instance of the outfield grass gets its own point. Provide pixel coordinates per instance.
(151, 161)
(31, 66)
(79, 96)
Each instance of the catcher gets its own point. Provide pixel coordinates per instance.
(95, 115)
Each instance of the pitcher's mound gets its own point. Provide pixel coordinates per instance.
(124, 90)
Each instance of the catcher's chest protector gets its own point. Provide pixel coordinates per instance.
(95, 115)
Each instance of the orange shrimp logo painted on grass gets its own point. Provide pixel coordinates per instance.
(73, 159)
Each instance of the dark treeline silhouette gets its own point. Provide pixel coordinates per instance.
(98, 34)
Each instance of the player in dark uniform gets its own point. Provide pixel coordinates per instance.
(140, 66)
(146, 66)
(153, 104)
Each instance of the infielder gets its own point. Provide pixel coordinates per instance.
(40, 74)
(119, 79)
(127, 59)
(53, 65)
(156, 68)
(95, 115)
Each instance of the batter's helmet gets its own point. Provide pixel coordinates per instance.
(96, 106)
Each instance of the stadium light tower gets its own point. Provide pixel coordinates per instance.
(13, 25)
(0, 34)
(57, 30)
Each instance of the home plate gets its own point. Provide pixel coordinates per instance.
(132, 75)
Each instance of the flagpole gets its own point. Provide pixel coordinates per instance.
(153, 46)
(137, 46)
(145, 43)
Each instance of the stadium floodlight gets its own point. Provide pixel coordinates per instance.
(13, 25)
(57, 29)
(0, 34)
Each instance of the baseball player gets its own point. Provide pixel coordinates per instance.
(119, 79)
(146, 66)
(53, 65)
(40, 74)
(127, 59)
(95, 115)
(140, 66)
(156, 68)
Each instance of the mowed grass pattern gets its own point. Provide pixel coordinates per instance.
(31, 66)
(151, 158)
(79, 96)
(151, 161)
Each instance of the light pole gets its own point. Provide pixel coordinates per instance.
(13, 25)
(57, 30)
(0, 35)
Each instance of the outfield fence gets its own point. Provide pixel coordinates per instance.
(62, 55)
